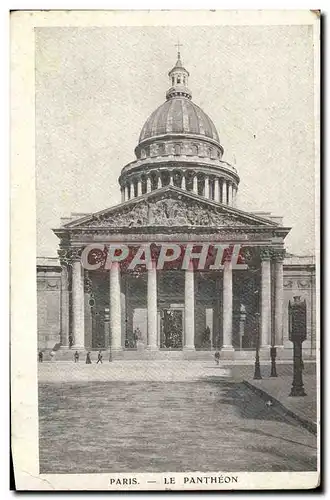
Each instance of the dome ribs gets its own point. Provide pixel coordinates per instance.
(178, 115)
(169, 118)
(193, 121)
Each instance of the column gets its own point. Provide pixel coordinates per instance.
(227, 306)
(131, 190)
(78, 310)
(171, 178)
(210, 189)
(206, 187)
(115, 306)
(230, 193)
(216, 190)
(278, 320)
(183, 182)
(159, 182)
(148, 185)
(265, 298)
(64, 306)
(88, 313)
(122, 191)
(152, 307)
(195, 188)
(242, 320)
(139, 187)
(126, 193)
(189, 309)
(217, 337)
(224, 192)
(123, 315)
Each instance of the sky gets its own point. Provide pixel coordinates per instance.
(96, 87)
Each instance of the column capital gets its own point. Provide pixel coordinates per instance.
(265, 253)
(69, 255)
(278, 254)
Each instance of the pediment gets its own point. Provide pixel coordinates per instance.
(169, 206)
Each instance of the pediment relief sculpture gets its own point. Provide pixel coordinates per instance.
(165, 212)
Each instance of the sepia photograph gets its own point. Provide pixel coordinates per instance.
(175, 287)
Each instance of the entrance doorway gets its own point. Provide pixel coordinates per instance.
(171, 332)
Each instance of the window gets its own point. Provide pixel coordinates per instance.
(178, 79)
(194, 150)
(177, 149)
(172, 80)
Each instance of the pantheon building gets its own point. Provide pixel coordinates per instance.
(179, 190)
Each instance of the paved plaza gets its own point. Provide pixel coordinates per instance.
(164, 416)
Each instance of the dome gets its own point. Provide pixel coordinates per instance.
(179, 146)
(179, 115)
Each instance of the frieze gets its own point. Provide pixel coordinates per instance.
(297, 283)
(49, 285)
(303, 283)
(53, 285)
(148, 233)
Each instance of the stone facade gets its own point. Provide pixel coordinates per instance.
(178, 191)
(299, 279)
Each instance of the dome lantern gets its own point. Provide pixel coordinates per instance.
(178, 79)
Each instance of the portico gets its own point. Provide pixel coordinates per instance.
(219, 307)
(178, 191)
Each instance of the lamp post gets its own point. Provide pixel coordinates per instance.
(107, 328)
(273, 354)
(297, 335)
(257, 372)
(110, 351)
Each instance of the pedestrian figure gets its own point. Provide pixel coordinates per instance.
(52, 354)
(99, 357)
(217, 357)
(70, 341)
(88, 359)
(41, 356)
(76, 357)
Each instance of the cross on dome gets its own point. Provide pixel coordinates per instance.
(178, 45)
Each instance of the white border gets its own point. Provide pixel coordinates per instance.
(23, 244)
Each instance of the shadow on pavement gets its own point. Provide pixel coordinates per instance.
(302, 462)
(246, 403)
(282, 438)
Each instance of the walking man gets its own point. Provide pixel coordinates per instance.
(99, 357)
(76, 357)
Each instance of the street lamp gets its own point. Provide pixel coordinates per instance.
(297, 335)
(257, 372)
(273, 354)
(107, 328)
